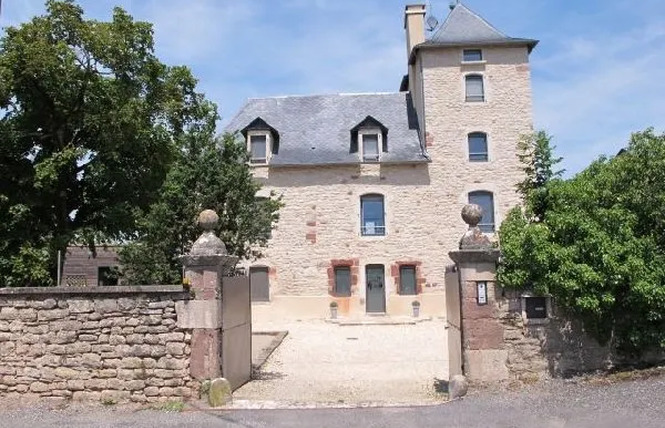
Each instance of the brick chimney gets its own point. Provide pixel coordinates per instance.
(414, 23)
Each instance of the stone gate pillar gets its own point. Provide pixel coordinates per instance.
(483, 352)
(205, 266)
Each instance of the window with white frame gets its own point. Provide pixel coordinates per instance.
(486, 202)
(477, 147)
(475, 88)
(472, 55)
(372, 215)
(370, 143)
(259, 147)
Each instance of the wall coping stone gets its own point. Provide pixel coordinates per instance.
(95, 290)
(475, 255)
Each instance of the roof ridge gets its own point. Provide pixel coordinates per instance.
(343, 94)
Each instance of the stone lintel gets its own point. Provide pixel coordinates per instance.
(199, 314)
(474, 256)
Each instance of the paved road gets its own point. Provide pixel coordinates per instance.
(639, 404)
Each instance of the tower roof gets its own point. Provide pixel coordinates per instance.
(463, 27)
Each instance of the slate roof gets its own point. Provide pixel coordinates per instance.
(317, 129)
(463, 27)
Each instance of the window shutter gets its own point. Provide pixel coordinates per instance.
(385, 142)
(275, 144)
(342, 281)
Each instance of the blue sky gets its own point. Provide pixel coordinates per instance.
(598, 72)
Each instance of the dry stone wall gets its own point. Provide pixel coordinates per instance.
(108, 344)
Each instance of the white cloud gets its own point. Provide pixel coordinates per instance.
(596, 89)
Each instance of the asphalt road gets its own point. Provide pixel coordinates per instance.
(635, 404)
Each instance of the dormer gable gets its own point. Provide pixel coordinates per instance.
(259, 125)
(363, 137)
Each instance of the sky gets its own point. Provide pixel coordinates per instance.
(598, 73)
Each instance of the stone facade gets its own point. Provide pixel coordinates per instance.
(320, 220)
(95, 344)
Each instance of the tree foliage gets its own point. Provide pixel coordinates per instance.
(90, 123)
(598, 247)
(208, 173)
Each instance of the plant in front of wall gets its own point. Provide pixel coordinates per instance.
(416, 308)
(333, 309)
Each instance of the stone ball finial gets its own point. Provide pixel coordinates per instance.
(208, 243)
(208, 220)
(472, 214)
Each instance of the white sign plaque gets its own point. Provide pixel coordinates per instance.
(482, 292)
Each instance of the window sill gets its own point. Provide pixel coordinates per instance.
(377, 237)
(481, 62)
(258, 165)
(536, 321)
(475, 101)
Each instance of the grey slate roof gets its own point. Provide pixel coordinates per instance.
(316, 130)
(465, 27)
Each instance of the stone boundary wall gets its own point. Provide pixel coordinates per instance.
(554, 347)
(99, 343)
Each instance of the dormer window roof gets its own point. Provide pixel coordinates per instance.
(370, 137)
(262, 141)
(317, 129)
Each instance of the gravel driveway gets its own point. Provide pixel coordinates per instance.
(636, 404)
(319, 362)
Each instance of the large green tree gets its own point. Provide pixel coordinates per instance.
(90, 120)
(598, 246)
(210, 173)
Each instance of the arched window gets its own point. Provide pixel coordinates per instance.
(372, 215)
(475, 90)
(477, 147)
(486, 201)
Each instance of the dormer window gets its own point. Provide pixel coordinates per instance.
(262, 141)
(370, 143)
(258, 147)
(370, 138)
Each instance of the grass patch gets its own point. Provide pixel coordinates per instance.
(109, 402)
(171, 406)
(624, 376)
